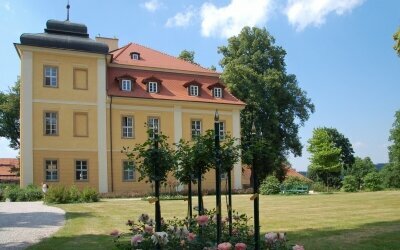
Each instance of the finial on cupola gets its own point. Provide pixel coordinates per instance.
(68, 6)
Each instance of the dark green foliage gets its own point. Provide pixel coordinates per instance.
(187, 56)
(254, 70)
(350, 184)
(318, 187)
(396, 38)
(373, 182)
(391, 175)
(291, 182)
(360, 169)
(9, 115)
(62, 195)
(14, 193)
(270, 185)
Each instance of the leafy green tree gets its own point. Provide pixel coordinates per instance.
(396, 38)
(213, 68)
(346, 149)
(373, 181)
(391, 175)
(350, 184)
(254, 69)
(360, 169)
(325, 156)
(187, 56)
(9, 115)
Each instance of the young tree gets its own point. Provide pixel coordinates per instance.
(346, 149)
(187, 56)
(396, 38)
(254, 69)
(325, 156)
(9, 115)
(360, 169)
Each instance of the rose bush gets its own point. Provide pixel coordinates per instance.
(198, 233)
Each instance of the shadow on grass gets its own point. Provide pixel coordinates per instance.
(371, 236)
(74, 242)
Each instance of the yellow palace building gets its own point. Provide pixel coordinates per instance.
(83, 100)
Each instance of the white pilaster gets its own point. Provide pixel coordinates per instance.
(26, 122)
(237, 169)
(101, 125)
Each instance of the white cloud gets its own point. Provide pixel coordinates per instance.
(303, 13)
(152, 5)
(228, 20)
(7, 6)
(181, 19)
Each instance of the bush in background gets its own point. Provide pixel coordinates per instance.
(292, 182)
(15, 193)
(62, 195)
(350, 184)
(373, 182)
(270, 185)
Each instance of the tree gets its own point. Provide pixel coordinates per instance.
(360, 169)
(213, 68)
(346, 149)
(254, 70)
(187, 56)
(396, 38)
(9, 115)
(325, 156)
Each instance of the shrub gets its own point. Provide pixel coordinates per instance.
(89, 195)
(11, 193)
(318, 187)
(57, 195)
(391, 175)
(349, 184)
(14, 193)
(373, 182)
(291, 182)
(74, 195)
(270, 185)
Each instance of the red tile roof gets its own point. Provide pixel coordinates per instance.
(154, 59)
(5, 166)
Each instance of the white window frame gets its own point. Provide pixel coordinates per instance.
(153, 124)
(222, 130)
(126, 85)
(50, 123)
(153, 87)
(79, 167)
(127, 125)
(130, 173)
(195, 128)
(135, 56)
(49, 168)
(194, 90)
(51, 73)
(217, 92)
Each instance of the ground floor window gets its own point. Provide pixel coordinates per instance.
(128, 171)
(51, 170)
(81, 170)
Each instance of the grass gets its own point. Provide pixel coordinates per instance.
(334, 221)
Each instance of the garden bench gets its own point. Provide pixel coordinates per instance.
(300, 189)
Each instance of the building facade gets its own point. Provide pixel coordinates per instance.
(83, 100)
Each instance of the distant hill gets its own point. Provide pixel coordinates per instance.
(379, 166)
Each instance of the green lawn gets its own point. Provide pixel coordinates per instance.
(324, 221)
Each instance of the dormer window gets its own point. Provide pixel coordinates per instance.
(126, 82)
(135, 56)
(153, 87)
(153, 84)
(126, 85)
(217, 92)
(194, 90)
(193, 87)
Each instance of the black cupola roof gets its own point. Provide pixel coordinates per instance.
(64, 35)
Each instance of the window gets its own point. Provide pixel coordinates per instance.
(153, 124)
(81, 170)
(196, 128)
(126, 85)
(224, 175)
(128, 171)
(51, 170)
(81, 124)
(153, 87)
(135, 56)
(127, 127)
(194, 90)
(221, 130)
(50, 76)
(81, 79)
(50, 123)
(217, 92)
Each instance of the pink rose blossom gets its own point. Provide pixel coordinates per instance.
(225, 246)
(202, 220)
(115, 233)
(298, 247)
(148, 229)
(240, 246)
(271, 237)
(136, 239)
(191, 236)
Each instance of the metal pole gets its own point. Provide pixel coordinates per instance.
(255, 193)
(190, 198)
(217, 176)
(230, 202)
(199, 192)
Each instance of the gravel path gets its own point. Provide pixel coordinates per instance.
(25, 223)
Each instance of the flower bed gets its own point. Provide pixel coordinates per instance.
(198, 233)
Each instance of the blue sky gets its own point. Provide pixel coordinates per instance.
(340, 50)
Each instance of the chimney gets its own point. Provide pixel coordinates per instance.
(111, 42)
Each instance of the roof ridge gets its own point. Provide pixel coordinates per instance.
(162, 52)
(123, 48)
